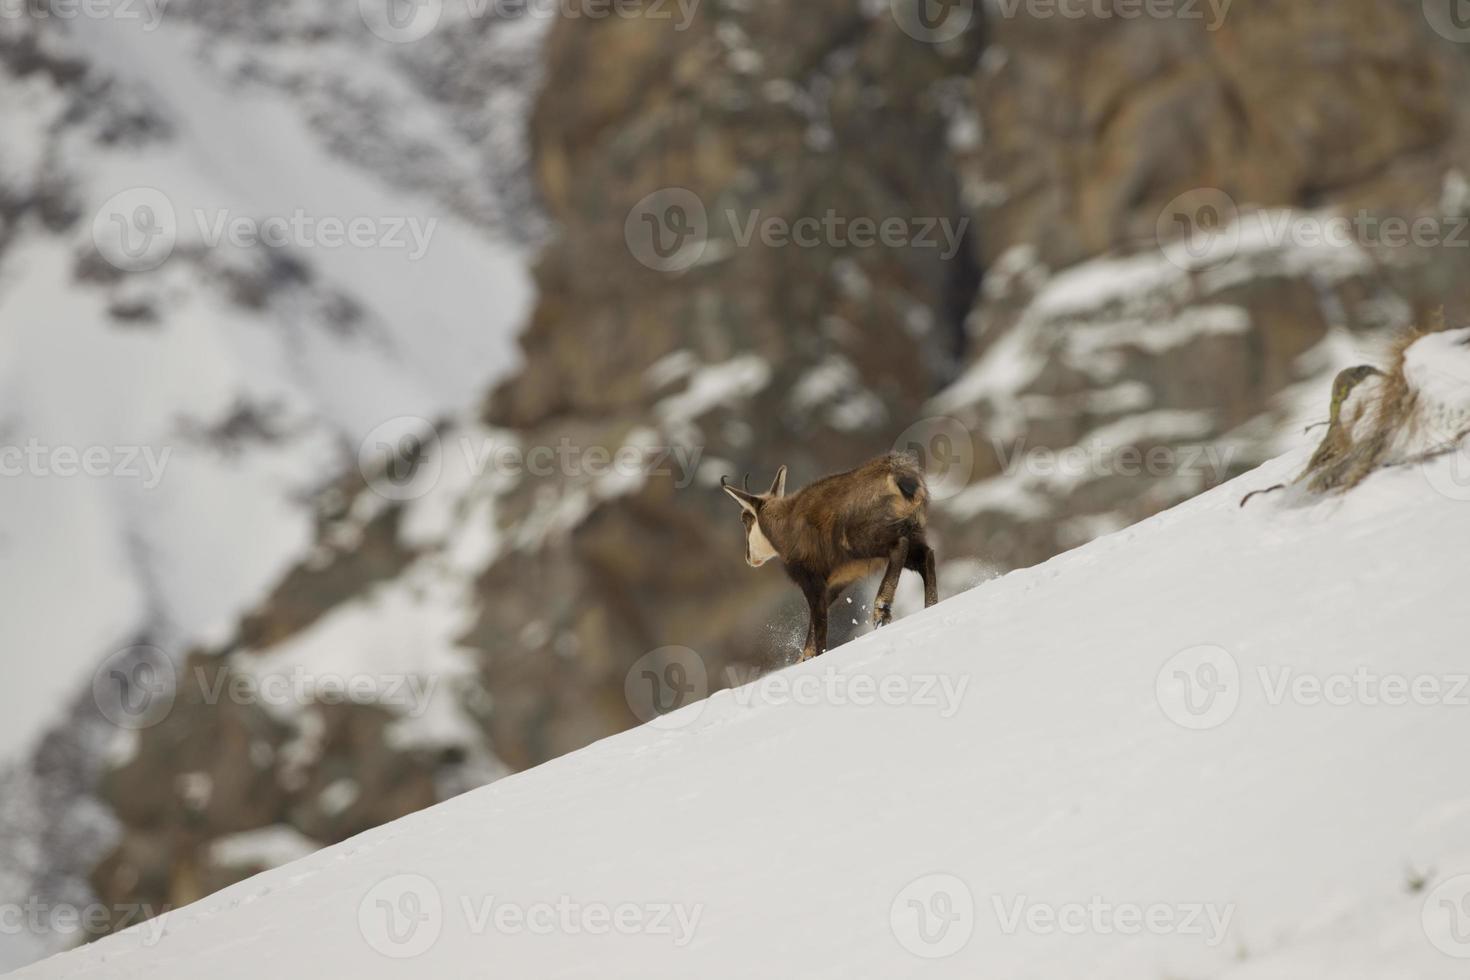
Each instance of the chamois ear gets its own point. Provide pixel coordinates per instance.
(744, 498)
(778, 487)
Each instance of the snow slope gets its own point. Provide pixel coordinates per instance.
(1222, 743)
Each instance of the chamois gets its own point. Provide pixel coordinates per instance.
(840, 529)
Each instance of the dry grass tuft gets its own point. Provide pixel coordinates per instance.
(1372, 412)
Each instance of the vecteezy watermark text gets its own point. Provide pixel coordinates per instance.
(300, 229)
(150, 12)
(39, 918)
(409, 693)
(942, 693)
(1201, 687)
(1363, 686)
(137, 687)
(569, 458)
(35, 458)
(138, 229)
(406, 21)
(403, 916)
(1100, 917)
(664, 681)
(670, 231)
(941, 21)
(1098, 458)
(1205, 226)
(935, 916)
(403, 458)
(1211, 12)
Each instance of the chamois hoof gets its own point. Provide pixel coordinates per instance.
(882, 616)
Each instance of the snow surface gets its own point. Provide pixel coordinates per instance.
(1437, 368)
(1224, 742)
(266, 847)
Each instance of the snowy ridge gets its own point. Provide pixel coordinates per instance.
(1238, 724)
(1102, 345)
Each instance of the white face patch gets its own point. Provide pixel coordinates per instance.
(758, 550)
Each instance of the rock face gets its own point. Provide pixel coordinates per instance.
(1115, 275)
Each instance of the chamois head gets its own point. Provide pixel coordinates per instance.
(758, 548)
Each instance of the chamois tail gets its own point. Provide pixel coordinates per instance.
(908, 476)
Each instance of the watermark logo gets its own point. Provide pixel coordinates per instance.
(401, 21)
(401, 916)
(668, 230)
(1447, 468)
(1446, 917)
(1199, 688)
(1198, 227)
(400, 459)
(1449, 18)
(1449, 472)
(945, 451)
(136, 230)
(933, 21)
(135, 687)
(662, 682)
(933, 916)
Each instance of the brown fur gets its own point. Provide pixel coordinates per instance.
(843, 528)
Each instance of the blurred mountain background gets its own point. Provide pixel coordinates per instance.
(1129, 252)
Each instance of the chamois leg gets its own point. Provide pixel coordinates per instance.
(921, 560)
(923, 564)
(898, 556)
(816, 632)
